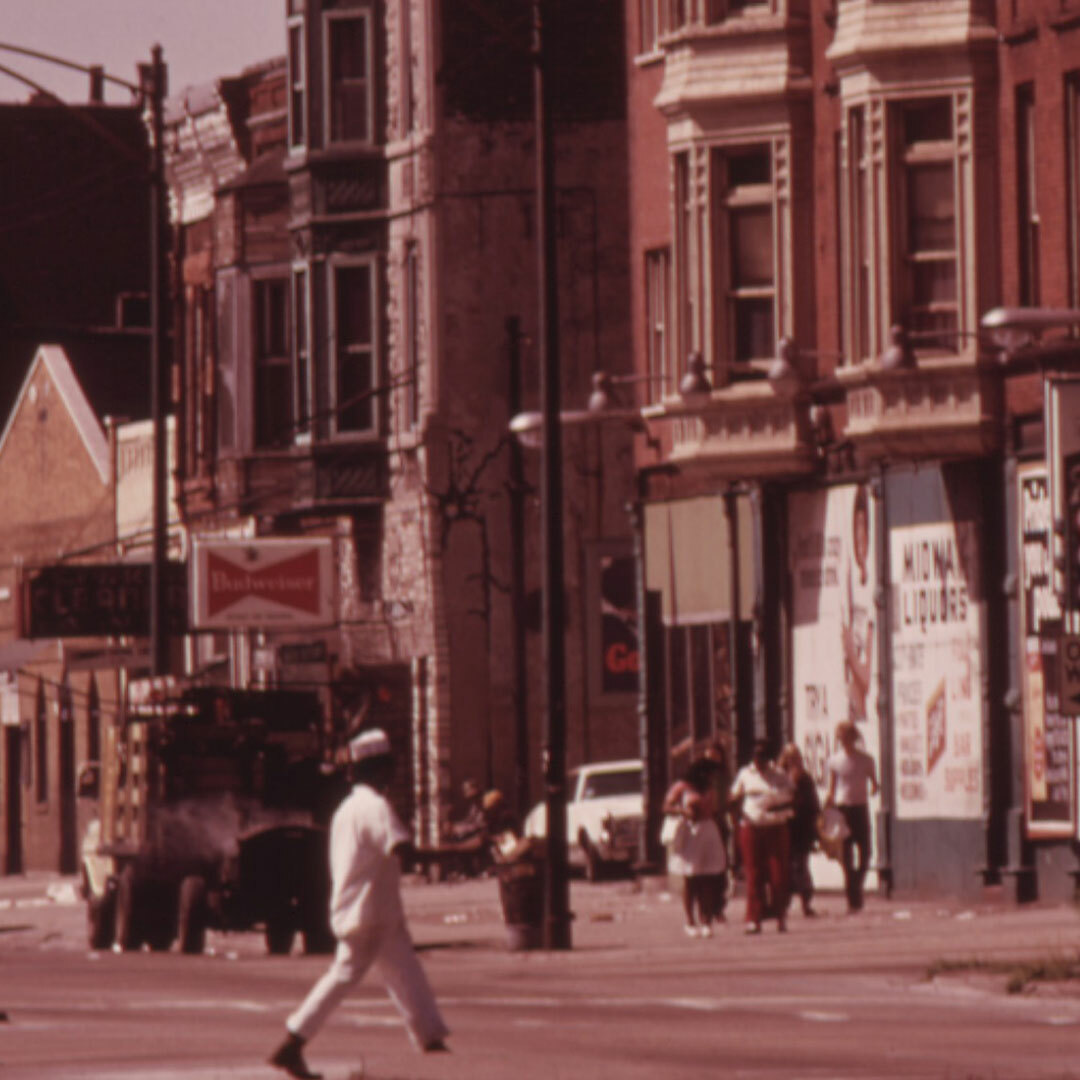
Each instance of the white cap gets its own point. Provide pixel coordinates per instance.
(369, 744)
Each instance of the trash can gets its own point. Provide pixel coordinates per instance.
(521, 892)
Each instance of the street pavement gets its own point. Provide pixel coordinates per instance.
(838, 997)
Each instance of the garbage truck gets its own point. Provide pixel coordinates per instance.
(211, 813)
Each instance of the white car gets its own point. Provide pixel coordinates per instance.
(605, 814)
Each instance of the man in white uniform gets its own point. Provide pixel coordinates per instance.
(366, 913)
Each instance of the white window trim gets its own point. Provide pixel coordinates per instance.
(340, 15)
(343, 263)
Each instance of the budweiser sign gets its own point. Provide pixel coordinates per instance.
(261, 583)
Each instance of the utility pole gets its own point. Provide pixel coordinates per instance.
(154, 78)
(557, 885)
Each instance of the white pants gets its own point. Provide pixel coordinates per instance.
(391, 949)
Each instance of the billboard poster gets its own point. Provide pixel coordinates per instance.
(936, 671)
(1049, 738)
(262, 583)
(612, 620)
(834, 629)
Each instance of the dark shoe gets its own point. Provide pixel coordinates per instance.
(436, 1046)
(288, 1056)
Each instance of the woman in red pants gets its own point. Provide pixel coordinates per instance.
(761, 799)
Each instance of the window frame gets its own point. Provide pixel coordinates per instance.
(300, 299)
(411, 334)
(911, 157)
(340, 265)
(363, 15)
(270, 362)
(1027, 194)
(728, 203)
(660, 378)
(296, 81)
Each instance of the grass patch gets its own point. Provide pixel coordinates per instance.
(1019, 975)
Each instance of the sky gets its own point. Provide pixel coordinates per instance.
(201, 40)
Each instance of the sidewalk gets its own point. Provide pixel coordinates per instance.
(645, 916)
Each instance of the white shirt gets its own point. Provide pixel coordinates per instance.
(366, 889)
(766, 796)
(850, 776)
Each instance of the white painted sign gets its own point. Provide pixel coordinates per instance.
(937, 671)
(834, 631)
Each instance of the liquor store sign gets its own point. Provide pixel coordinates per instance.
(262, 583)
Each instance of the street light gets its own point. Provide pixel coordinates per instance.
(151, 88)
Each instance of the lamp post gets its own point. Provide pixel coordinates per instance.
(151, 88)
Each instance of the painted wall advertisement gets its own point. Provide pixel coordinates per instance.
(936, 671)
(1049, 738)
(834, 631)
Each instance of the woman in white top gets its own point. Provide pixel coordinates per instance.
(761, 797)
(697, 853)
(852, 777)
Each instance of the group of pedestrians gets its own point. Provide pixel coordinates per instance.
(776, 812)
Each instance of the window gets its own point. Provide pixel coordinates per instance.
(302, 352)
(1072, 155)
(861, 277)
(928, 240)
(41, 746)
(1027, 210)
(412, 336)
(743, 254)
(297, 75)
(348, 77)
(273, 389)
(93, 722)
(648, 19)
(686, 256)
(660, 378)
(408, 87)
(354, 354)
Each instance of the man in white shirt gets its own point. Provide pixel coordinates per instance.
(366, 913)
(852, 778)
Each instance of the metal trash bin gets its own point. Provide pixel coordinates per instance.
(521, 892)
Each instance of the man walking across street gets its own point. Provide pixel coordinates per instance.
(366, 913)
(851, 772)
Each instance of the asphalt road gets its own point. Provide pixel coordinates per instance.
(836, 998)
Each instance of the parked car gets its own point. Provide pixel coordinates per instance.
(605, 814)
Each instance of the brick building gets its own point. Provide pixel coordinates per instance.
(358, 259)
(826, 198)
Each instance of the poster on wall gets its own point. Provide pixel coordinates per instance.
(1049, 738)
(834, 629)
(936, 671)
(613, 620)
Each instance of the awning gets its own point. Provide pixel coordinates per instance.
(688, 558)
